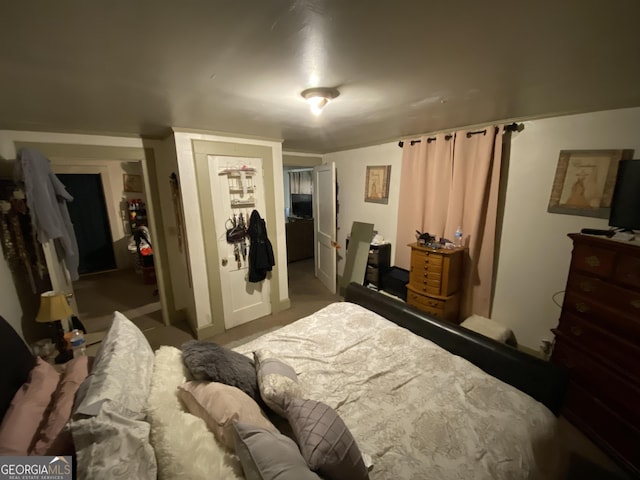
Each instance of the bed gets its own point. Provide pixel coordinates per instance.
(420, 398)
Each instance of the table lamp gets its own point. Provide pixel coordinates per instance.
(53, 309)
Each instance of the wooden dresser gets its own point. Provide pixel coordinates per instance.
(434, 281)
(598, 341)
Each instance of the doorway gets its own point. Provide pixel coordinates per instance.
(110, 277)
(90, 219)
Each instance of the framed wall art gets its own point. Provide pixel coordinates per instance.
(584, 181)
(132, 183)
(376, 188)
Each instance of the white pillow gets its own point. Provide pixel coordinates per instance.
(185, 448)
(121, 372)
(109, 433)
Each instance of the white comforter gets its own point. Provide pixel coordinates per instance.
(420, 412)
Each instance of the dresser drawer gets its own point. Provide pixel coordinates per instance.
(445, 308)
(619, 394)
(420, 268)
(372, 275)
(374, 257)
(612, 296)
(617, 322)
(429, 302)
(613, 433)
(426, 286)
(424, 304)
(617, 352)
(598, 261)
(627, 271)
(426, 258)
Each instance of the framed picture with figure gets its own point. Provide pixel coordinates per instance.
(584, 181)
(376, 188)
(132, 183)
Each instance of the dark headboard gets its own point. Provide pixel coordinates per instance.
(540, 379)
(16, 360)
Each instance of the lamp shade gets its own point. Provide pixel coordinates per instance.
(53, 306)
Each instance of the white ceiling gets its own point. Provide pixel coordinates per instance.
(402, 67)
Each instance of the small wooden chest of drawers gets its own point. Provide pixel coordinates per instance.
(598, 341)
(434, 281)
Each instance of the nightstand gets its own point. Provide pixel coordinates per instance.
(378, 263)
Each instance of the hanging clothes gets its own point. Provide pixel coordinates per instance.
(261, 257)
(47, 200)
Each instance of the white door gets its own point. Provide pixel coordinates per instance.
(237, 189)
(324, 219)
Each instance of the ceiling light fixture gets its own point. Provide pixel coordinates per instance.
(319, 97)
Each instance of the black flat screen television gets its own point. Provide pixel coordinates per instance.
(625, 203)
(302, 205)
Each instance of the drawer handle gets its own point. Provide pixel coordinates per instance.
(582, 307)
(592, 261)
(635, 303)
(587, 286)
(577, 331)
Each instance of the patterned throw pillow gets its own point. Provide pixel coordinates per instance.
(325, 441)
(277, 381)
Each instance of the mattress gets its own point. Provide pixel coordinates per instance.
(417, 410)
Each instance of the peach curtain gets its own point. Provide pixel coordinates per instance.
(449, 183)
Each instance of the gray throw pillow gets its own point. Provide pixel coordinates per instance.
(209, 361)
(325, 441)
(266, 455)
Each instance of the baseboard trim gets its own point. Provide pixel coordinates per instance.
(281, 305)
(208, 331)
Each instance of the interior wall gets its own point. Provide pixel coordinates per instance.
(178, 260)
(274, 216)
(535, 252)
(351, 171)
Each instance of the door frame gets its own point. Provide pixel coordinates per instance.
(104, 204)
(202, 149)
(76, 154)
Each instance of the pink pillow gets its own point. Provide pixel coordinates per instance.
(52, 438)
(27, 409)
(221, 405)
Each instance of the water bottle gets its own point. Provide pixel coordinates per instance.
(458, 236)
(78, 344)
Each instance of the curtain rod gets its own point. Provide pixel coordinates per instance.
(514, 127)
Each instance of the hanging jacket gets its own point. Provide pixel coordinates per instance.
(261, 257)
(47, 200)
